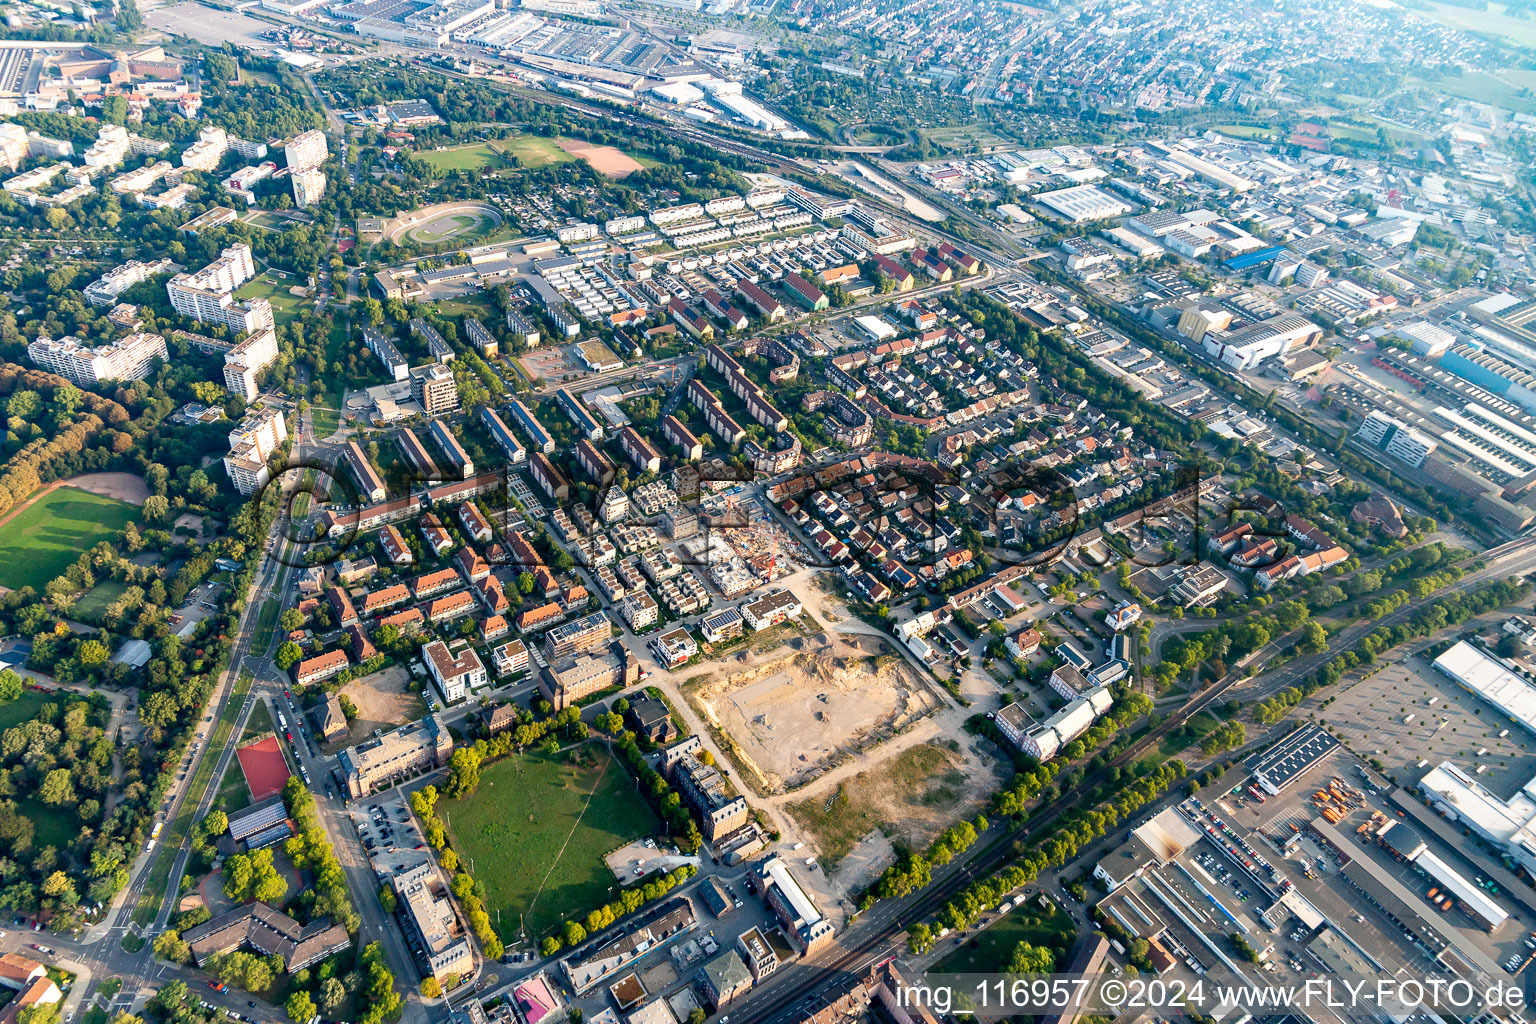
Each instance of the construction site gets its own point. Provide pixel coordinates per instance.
(791, 717)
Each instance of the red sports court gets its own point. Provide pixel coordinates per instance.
(264, 768)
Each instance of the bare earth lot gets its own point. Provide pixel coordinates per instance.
(908, 798)
(384, 699)
(795, 716)
(605, 160)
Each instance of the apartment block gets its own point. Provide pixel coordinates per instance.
(380, 762)
(127, 358)
(455, 676)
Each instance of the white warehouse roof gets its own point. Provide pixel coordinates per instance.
(1492, 680)
(1475, 899)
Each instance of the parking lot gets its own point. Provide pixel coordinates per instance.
(389, 833)
(1371, 717)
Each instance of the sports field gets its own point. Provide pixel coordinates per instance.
(45, 537)
(537, 829)
(529, 151)
(93, 605)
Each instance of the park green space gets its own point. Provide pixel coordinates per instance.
(536, 830)
(90, 608)
(45, 538)
(530, 151)
(989, 951)
(179, 828)
(273, 286)
(325, 413)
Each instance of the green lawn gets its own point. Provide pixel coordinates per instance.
(93, 605)
(1490, 22)
(989, 951)
(537, 829)
(22, 708)
(273, 286)
(1243, 131)
(1500, 89)
(55, 826)
(46, 537)
(266, 624)
(530, 151)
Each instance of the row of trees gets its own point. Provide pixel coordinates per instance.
(1074, 832)
(1448, 611)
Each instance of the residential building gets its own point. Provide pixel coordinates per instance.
(568, 681)
(308, 186)
(639, 610)
(127, 358)
(793, 906)
(454, 676)
(510, 658)
(776, 606)
(330, 722)
(724, 978)
(639, 451)
(1022, 643)
(250, 445)
(703, 786)
(433, 387)
(387, 353)
(208, 295)
(430, 921)
(245, 359)
(368, 480)
(722, 625)
(321, 667)
(268, 932)
(650, 717)
(104, 290)
(308, 149)
(510, 445)
(588, 967)
(588, 633)
(674, 647)
(381, 761)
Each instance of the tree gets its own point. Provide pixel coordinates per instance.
(291, 620)
(300, 1007)
(430, 988)
(92, 652)
(697, 1015)
(156, 508)
(332, 994)
(574, 934)
(288, 655)
(238, 875)
(463, 772)
(58, 788)
(550, 946)
(10, 685)
(1031, 959)
(171, 946)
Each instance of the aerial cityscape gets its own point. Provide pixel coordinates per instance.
(767, 511)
